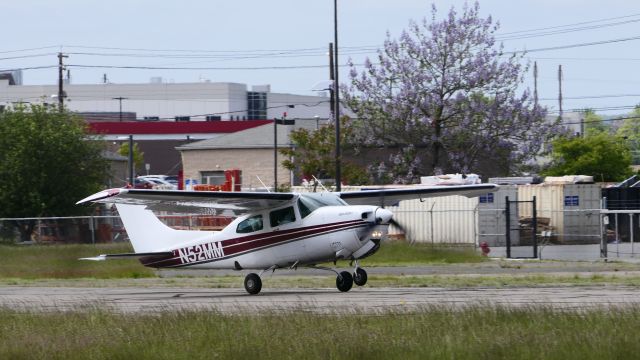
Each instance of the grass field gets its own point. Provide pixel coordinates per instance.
(437, 333)
(61, 261)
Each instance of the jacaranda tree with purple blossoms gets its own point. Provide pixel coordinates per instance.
(444, 98)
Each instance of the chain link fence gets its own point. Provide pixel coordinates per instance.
(92, 229)
(588, 233)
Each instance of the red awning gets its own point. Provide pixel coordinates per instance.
(172, 127)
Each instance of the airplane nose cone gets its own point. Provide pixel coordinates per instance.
(383, 216)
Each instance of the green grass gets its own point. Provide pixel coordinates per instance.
(431, 333)
(401, 253)
(61, 262)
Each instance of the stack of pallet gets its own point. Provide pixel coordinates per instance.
(542, 227)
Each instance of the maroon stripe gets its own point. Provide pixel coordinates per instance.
(246, 244)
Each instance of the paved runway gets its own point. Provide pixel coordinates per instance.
(366, 300)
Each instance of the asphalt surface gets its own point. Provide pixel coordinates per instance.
(361, 300)
(149, 297)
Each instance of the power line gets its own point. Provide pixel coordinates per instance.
(204, 68)
(592, 97)
(575, 45)
(27, 56)
(564, 31)
(30, 49)
(601, 120)
(573, 24)
(30, 68)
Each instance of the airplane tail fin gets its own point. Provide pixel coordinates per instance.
(148, 234)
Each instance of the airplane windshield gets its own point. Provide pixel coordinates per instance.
(307, 203)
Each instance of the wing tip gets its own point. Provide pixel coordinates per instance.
(102, 257)
(104, 194)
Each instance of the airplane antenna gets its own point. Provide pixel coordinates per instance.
(319, 182)
(265, 186)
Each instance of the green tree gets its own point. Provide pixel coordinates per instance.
(593, 123)
(603, 156)
(47, 164)
(314, 154)
(630, 130)
(138, 156)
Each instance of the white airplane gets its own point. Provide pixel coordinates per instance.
(271, 230)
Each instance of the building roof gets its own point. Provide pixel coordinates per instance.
(172, 127)
(260, 137)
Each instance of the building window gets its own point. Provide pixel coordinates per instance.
(257, 105)
(213, 117)
(486, 199)
(183, 118)
(213, 177)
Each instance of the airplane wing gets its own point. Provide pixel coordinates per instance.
(192, 202)
(391, 197)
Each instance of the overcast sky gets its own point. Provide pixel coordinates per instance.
(284, 42)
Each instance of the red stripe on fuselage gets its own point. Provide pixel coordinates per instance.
(247, 244)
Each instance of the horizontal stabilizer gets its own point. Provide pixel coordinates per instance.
(103, 257)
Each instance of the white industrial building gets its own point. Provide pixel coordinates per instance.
(158, 100)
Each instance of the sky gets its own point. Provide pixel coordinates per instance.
(285, 43)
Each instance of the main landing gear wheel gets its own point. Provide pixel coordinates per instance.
(344, 281)
(360, 277)
(252, 283)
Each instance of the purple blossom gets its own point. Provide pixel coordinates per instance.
(443, 95)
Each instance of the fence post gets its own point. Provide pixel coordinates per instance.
(617, 237)
(92, 227)
(508, 222)
(603, 234)
(631, 231)
(535, 228)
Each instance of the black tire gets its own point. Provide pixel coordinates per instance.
(360, 277)
(252, 283)
(344, 281)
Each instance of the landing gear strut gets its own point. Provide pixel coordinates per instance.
(252, 283)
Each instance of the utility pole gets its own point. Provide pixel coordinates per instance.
(332, 100)
(120, 98)
(60, 80)
(275, 155)
(560, 90)
(336, 91)
(535, 84)
(131, 175)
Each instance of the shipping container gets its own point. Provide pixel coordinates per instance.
(573, 210)
(492, 223)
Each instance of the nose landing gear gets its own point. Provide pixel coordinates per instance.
(360, 276)
(252, 283)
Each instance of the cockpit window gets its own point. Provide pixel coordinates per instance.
(304, 209)
(316, 200)
(282, 216)
(249, 225)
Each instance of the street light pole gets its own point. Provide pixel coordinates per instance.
(336, 92)
(275, 155)
(131, 160)
(120, 98)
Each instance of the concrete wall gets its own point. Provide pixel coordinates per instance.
(252, 163)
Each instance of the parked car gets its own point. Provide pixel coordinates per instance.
(143, 184)
(168, 178)
(159, 184)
